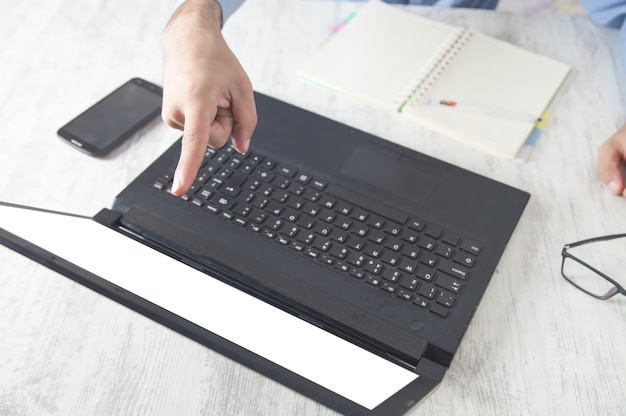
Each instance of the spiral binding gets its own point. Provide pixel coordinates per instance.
(424, 80)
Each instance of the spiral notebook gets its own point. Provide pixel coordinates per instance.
(452, 79)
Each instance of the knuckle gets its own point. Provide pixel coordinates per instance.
(193, 138)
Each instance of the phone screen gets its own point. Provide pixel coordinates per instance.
(114, 118)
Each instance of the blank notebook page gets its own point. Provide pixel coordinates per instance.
(376, 56)
(487, 72)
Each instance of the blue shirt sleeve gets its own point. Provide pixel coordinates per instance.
(611, 13)
(229, 7)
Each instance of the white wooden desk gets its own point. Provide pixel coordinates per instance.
(536, 346)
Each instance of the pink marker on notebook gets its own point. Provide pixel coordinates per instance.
(485, 109)
(343, 23)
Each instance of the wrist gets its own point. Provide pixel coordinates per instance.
(208, 10)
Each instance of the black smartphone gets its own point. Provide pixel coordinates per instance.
(113, 119)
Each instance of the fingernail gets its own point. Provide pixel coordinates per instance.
(244, 149)
(176, 183)
(614, 187)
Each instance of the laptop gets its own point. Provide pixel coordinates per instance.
(337, 263)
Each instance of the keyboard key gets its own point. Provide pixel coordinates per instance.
(373, 266)
(223, 201)
(356, 243)
(255, 158)
(440, 310)
(464, 259)
(451, 239)
(291, 232)
(376, 221)
(411, 252)
(296, 189)
(426, 274)
(373, 251)
(408, 266)
(356, 259)
(429, 260)
(409, 282)
(324, 229)
(409, 236)
(311, 195)
(449, 283)
(213, 209)
(446, 299)
(433, 231)
(306, 238)
(421, 302)
(391, 275)
(393, 229)
(287, 172)
(417, 224)
(471, 247)
(242, 222)
(371, 280)
(387, 287)
(444, 250)
(404, 295)
(391, 258)
(339, 236)
(453, 269)
(327, 215)
(343, 208)
(427, 290)
(268, 164)
(327, 202)
(303, 178)
(322, 244)
(319, 185)
(338, 251)
(427, 243)
(360, 230)
(359, 214)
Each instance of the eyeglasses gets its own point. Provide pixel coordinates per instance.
(586, 277)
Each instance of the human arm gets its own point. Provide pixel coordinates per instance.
(612, 153)
(206, 92)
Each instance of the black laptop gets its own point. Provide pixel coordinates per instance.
(349, 258)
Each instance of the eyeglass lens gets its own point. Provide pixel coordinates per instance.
(587, 279)
(607, 256)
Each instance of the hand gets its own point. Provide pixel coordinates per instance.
(611, 155)
(206, 92)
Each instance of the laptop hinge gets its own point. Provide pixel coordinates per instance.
(430, 369)
(107, 217)
(438, 355)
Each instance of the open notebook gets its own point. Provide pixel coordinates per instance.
(452, 79)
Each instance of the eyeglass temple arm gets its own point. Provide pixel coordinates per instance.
(593, 240)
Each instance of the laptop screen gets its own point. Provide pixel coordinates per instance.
(282, 338)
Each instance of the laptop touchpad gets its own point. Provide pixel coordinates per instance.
(392, 172)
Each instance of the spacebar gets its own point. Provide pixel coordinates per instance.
(366, 203)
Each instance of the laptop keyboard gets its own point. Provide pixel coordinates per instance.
(392, 252)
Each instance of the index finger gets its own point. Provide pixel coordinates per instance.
(194, 144)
